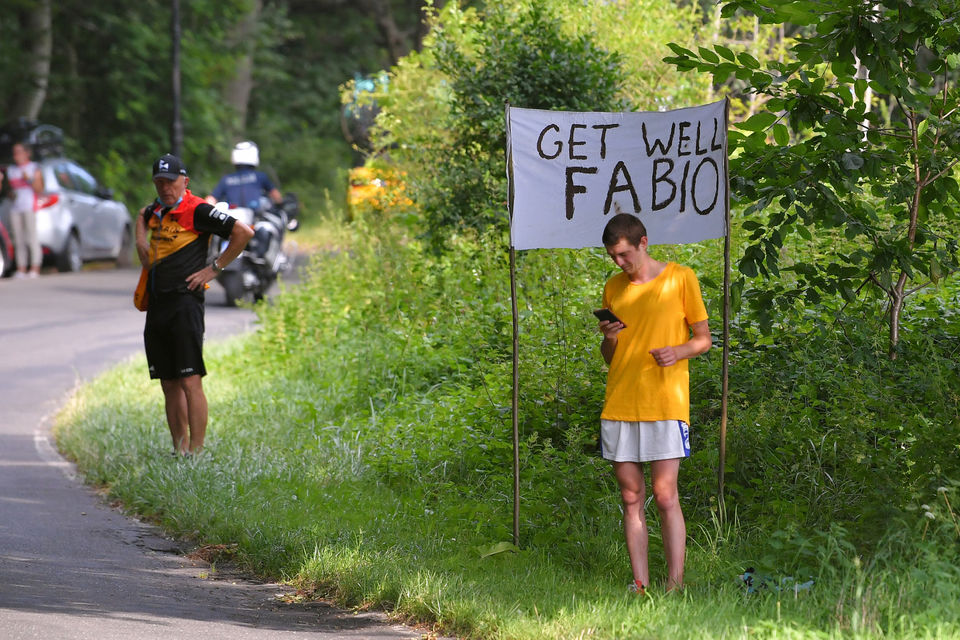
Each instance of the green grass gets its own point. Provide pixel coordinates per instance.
(359, 448)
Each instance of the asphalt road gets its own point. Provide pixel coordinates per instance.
(70, 566)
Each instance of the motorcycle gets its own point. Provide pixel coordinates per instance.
(252, 273)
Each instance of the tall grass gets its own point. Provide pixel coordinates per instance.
(359, 447)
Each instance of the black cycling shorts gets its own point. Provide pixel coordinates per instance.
(173, 337)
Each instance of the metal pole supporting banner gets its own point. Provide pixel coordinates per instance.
(516, 341)
(726, 331)
(516, 399)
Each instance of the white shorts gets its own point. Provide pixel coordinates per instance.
(627, 441)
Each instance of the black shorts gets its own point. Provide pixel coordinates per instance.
(173, 337)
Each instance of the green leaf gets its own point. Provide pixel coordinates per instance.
(952, 188)
(500, 547)
(781, 134)
(798, 13)
(922, 128)
(776, 104)
(748, 60)
(953, 60)
(826, 25)
(758, 121)
(736, 295)
(680, 51)
(935, 272)
(860, 87)
(725, 52)
(708, 55)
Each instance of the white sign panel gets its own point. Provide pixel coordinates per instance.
(572, 171)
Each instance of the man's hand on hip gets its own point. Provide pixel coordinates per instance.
(199, 278)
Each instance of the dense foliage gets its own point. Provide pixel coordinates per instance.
(367, 453)
(110, 76)
(857, 144)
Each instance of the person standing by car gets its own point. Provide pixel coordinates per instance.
(26, 182)
(180, 225)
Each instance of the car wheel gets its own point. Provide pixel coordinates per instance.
(125, 257)
(69, 259)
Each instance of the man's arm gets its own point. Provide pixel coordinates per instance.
(610, 331)
(276, 196)
(143, 245)
(698, 344)
(239, 237)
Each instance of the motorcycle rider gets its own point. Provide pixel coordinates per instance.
(246, 185)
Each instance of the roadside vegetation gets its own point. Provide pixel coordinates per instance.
(360, 447)
(359, 444)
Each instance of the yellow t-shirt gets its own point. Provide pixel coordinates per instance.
(657, 314)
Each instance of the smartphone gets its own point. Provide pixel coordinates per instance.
(606, 315)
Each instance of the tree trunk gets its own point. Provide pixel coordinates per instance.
(176, 126)
(896, 307)
(897, 291)
(752, 104)
(237, 92)
(393, 37)
(39, 31)
(73, 123)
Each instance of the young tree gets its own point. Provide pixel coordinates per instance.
(865, 140)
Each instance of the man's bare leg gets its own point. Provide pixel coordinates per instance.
(175, 404)
(633, 493)
(663, 475)
(196, 410)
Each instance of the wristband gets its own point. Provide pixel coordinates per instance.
(216, 267)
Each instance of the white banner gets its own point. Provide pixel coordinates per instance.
(571, 170)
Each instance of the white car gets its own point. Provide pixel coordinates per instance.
(78, 220)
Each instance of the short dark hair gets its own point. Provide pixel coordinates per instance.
(624, 226)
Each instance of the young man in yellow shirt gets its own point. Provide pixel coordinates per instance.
(646, 414)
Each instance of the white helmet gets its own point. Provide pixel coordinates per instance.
(245, 153)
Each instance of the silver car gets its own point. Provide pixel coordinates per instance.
(78, 220)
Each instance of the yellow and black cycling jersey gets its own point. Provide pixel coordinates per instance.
(179, 241)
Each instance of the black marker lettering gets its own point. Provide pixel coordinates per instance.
(603, 138)
(616, 186)
(664, 148)
(714, 145)
(571, 142)
(573, 189)
(716, 186)
(683, 187)
(664, 178)
(557, 142)
(699, 151)
(681, 138)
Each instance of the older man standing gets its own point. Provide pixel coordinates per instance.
(179, 225)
